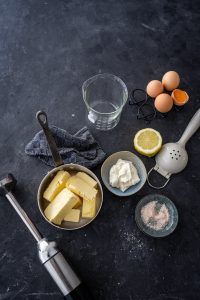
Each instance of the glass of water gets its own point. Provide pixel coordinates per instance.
(105, 96)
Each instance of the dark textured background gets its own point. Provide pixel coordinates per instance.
(47, 50)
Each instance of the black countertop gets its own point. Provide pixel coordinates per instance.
(47, 50)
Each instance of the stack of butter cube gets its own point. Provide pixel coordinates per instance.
(70, 197)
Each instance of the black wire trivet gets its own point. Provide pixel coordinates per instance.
(146, 109)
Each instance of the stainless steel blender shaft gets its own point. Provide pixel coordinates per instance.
(24, 216)
(49, 255)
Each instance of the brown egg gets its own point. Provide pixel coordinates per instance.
(163, 103)
(154, 88)
(171, 80)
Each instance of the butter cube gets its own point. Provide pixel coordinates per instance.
(89, 209)
(57, 184)
(60, 206)
(73, 215)
(80, 202)
(88, 179)
(81, 188)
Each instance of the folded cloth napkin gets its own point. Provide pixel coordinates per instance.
(80, 148)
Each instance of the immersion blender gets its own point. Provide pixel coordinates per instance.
(52, 259)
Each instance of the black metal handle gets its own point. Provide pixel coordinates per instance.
(7, 184)
(79, 293)
(41, 116)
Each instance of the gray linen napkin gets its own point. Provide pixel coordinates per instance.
(80, 148)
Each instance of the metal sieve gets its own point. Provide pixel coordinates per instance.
(173, 157)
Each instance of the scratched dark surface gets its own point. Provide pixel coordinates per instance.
(47, 50)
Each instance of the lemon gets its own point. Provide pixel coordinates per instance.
(148, 141)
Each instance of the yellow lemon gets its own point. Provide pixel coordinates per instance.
(148, 141)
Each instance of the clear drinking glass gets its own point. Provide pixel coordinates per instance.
(105, 96)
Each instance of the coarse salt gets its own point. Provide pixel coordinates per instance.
(154, 215)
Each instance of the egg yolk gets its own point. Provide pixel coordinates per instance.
(180, 96)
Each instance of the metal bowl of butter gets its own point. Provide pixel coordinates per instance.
(72, 169)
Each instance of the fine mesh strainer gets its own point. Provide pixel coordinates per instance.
(173, 157)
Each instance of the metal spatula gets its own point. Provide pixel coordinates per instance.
(173, 157)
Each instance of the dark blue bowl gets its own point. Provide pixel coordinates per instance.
(173, 216)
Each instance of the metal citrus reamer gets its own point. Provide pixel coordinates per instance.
(173, 157)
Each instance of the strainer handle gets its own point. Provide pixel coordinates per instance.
(153, 186)
(192, 127)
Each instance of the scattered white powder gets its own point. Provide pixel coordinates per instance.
(154, 215)
(132, 242)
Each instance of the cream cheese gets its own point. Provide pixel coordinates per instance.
(123, 175)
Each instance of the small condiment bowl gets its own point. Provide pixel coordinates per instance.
(126, 155)
(173, 216)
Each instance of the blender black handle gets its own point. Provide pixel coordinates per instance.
(79, 293)
(41, 116)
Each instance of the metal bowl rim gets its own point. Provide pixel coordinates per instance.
(57, 169)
